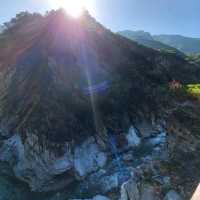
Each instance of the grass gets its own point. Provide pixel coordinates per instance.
(193, 90)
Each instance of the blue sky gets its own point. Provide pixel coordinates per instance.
(155, 16)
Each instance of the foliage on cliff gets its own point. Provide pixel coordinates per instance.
(65, 79)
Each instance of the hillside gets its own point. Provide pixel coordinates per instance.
(83, 109)
(171, 43)
(194, 58)
(187, 45)
(146, 39)
(51, 66)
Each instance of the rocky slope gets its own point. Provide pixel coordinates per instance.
(83, 110)
(183, 140)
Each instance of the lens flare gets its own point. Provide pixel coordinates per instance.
(72, 7)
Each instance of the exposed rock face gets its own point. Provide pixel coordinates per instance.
(35, 166)
(183, 144)
(88, 158)
(134, 191)
(86, 162)
(39, 167)
(66, 87)
(103, 181)
(129, 190)
(70, 78)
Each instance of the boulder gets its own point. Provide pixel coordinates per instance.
(88, 158)
(39, 167)
(132, 138)
(172, 195)
(99, 197)
(148, 193)
(130, 191)
(103, 181)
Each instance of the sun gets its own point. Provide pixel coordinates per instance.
(72, 7)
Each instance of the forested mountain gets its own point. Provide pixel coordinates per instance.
(187, 45)
(146, 39)
(172, 43)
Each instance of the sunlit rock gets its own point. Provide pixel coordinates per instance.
(88, 157)
(130, 191)
(99, 197)
(38, 167)
(196, 195)
(132, 137)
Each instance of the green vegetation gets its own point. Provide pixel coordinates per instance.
(194, 90)
(49, 80)
(187, 45)
(194, 59)
(146, 39)
(187, 92)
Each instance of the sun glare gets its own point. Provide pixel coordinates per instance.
(72, 7)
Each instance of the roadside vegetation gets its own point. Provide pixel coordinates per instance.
(193, 90)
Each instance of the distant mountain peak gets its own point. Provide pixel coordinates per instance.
(140, 34)
(146, 39)
(185, 44)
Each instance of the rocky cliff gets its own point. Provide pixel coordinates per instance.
(81, 107)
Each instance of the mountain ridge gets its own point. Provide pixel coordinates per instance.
(187, 45)
(146, 39)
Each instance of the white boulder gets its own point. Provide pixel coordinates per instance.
(130, 191)
(132, 137)
(99, 197)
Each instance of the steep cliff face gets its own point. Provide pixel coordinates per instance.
(183, 144)
(68, 87)
(53, 66)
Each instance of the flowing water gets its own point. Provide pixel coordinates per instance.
(114, 150)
